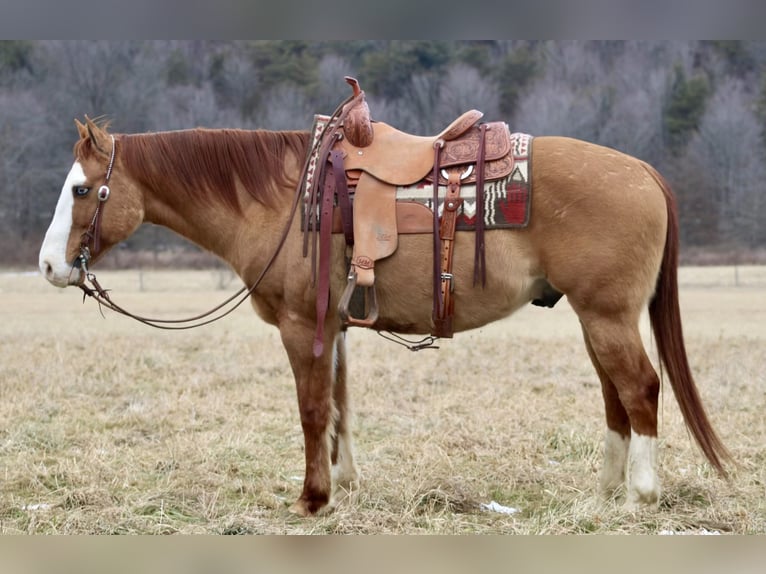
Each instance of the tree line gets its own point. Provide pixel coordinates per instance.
(694, 109)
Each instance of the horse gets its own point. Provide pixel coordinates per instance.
(603, 231)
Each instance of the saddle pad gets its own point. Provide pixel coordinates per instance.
(506, 201)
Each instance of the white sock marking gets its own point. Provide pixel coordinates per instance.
(643, 484)
(615, 458)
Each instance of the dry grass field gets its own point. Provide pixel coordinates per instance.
(111, 427)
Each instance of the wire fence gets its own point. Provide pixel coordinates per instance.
(223, 279)
(745, 276)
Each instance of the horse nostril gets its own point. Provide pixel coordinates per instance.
(48, 269)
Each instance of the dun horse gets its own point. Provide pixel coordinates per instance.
(603, 231)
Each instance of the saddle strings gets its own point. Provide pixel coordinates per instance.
(321, 149)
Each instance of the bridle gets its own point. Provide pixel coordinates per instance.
(101, 295)
(94, 229)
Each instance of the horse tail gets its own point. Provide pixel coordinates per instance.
(665, 316)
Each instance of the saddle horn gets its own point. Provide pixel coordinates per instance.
(357, 125)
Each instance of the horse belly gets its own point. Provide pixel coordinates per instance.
(405, 284)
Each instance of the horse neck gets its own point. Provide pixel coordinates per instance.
(212, 227)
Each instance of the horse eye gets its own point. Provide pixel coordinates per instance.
(80, 191)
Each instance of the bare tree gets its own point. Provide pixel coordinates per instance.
(27, 175)
(332, 88)
(552, 107)
(727, 152)
(235, 82)
(181, 107)
(285, 107)
(120, 80)
(637, 97)
(464, 88)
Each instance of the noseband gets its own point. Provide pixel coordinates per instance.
(93, 233)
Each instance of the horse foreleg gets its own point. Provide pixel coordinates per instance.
(617, 345)
(313, 380)
(617, 436)
(344, 471)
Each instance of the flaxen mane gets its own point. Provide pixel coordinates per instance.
(212, 162)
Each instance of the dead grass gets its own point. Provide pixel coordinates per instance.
(109, 426)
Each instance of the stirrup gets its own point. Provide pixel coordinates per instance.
(345, 300)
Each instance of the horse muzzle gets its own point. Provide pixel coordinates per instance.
(62, 275)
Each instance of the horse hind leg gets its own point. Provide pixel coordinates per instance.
(345, 473)
(617, 435)
(615, 342)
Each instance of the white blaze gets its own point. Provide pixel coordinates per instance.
(53, 264)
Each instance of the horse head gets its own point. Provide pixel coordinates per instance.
(99, 206)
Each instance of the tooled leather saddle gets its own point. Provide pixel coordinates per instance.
(359, 165)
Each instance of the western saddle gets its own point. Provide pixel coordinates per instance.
(360, 164)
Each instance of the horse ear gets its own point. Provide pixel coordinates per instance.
(81, 129)
(98, 136)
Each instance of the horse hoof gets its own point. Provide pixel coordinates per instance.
(305, 509)
(635, 501)
(300, 508)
